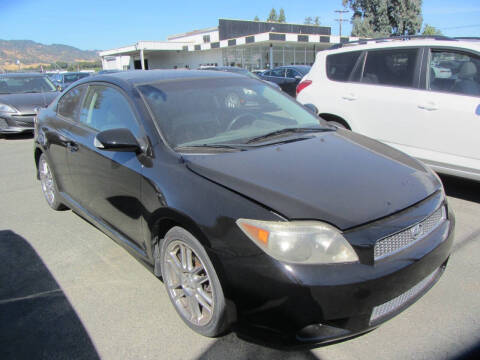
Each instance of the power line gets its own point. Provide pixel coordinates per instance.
(340, 20)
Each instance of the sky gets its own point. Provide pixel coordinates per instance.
(106, 24)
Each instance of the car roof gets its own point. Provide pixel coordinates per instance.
(148, 76)
(131, 78)
(74, 72)
(293, 67)
(395, 42)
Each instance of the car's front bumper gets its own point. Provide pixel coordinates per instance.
(302, 305)
(16, 123)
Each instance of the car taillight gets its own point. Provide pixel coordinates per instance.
(303, 85)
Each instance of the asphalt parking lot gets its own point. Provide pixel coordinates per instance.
(67, 291)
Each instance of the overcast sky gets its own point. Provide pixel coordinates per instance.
(105, 24)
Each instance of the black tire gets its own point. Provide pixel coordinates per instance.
(49, 186)
(183, 282)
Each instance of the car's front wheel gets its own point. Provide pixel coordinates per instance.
(192, 283)
(49, 187)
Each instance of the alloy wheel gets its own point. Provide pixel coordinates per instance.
(189, 283)
(46, 180)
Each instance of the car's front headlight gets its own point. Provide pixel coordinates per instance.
(7, 108)
(302, 242)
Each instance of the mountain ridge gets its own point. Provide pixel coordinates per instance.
(31, 53)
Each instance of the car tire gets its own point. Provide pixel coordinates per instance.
(49, 186)
(192, 283)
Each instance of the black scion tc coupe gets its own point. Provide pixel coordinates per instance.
(259, 216)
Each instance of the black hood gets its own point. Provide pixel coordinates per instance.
(339, 177)
(26, 103)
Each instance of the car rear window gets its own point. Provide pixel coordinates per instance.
(340, 66)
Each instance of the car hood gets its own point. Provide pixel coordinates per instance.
(26, 103)
(339, 177)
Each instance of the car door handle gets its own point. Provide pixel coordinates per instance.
(429, 106)
(349, 97)
(72, 147)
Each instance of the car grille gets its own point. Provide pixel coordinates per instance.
(405, 238)
(3, 124)
(381, 311)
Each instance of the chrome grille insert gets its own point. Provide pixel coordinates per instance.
(405, 238)
(393, 305)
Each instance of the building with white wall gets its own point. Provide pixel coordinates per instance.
(247, 44)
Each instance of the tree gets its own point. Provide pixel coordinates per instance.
(429, 30)
(308, 20)
(377, 18)
(316, 21)
(281, 16)
(273, 16)
(256, 18)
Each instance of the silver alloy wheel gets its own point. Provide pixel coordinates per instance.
(189, 284)
(46, 180)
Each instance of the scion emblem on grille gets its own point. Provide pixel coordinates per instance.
(416, 231)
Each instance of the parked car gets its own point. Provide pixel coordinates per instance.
(63, 80)
(287, 77)
(258, 71)
(241, 71)
(111, 71)
(255, 213)
(21, 97)
(393, 90)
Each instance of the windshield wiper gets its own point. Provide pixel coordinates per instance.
(31, 92)
(212, 146)
(287, 131)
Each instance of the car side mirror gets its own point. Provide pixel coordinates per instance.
(117, 140)
(312, 108)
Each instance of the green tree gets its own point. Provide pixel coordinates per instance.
(316, 21)
(429, 30)
(308, 20)
(273, 16)
(374, 18)
(256, 18)
(281, 16)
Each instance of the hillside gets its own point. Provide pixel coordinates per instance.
(32, 54)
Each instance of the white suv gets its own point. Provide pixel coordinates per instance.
(419, 95)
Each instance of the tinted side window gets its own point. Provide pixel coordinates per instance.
(267, 73)
(278, 73)
(105, 108)
(394, 67)
(68, 105)
(340, 66)
(454, 72)
(292, 73)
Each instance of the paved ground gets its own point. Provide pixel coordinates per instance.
(68, 291)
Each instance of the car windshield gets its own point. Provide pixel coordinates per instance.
(223, 111)
(25, 84)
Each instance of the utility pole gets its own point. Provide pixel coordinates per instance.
(341, 12)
